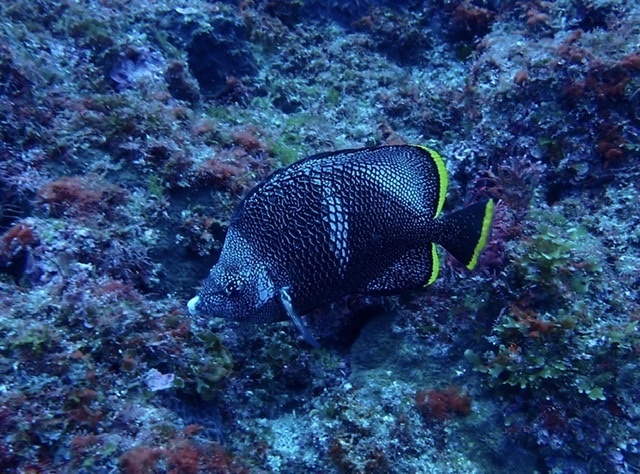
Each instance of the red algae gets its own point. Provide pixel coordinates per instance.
(443, 404)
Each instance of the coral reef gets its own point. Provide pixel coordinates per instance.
(129, 132)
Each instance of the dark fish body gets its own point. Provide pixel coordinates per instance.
(353, 221)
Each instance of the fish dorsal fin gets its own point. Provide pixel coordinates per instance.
(285, 298)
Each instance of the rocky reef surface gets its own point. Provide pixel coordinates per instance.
(131, 129)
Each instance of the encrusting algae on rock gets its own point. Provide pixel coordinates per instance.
(363, 221)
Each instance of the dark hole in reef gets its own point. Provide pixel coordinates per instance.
(195, 411)
(592, 17)
(17, 262)
(554, 193)
(15, 266)
(12, 207)
(338, 325)
(212, 60)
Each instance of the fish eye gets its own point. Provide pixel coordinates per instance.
(233, 287)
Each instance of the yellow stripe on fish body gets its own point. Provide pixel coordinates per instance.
(444, 177)
(435, 270)
(352, 221)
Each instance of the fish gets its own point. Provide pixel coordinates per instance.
(359, 221)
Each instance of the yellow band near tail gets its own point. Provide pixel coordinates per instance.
(443, 177)
(435, 265)
(484, 235)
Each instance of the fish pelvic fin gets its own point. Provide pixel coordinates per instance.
(285, 298)
(465, 233)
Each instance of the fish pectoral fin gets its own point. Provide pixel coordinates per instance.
(285, 298)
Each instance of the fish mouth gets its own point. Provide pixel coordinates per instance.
(191, 305)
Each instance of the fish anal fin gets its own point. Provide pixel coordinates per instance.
(415, 268)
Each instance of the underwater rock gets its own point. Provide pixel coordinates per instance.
(213, 58)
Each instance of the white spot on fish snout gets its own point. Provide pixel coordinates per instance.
(191, 305)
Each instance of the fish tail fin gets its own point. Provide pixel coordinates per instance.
(464, 233)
